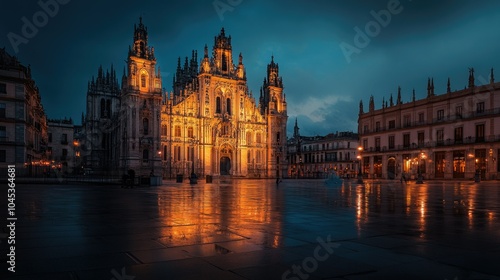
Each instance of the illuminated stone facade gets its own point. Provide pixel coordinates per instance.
(212, 123)
(449, 136)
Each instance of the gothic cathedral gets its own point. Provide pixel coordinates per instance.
(210, 124)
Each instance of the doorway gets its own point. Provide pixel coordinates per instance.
(391, 168)
(225, 166)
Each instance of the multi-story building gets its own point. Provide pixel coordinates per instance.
(23, 124)
(317, 156)
(452, 135)
(61, 146)
(210, 123)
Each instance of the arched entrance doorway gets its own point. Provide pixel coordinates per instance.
(225, 166)
(391, 168)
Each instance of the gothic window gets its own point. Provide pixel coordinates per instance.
(164, 130)
(143, 80)
(103, 108)
(164, 152)
(145, 126)
(217, 105)
(108, 108)
(258, 138)
(278, 138)
(249, 138)
(224, 62)
(145, 155)
(228, 106)
(190, 132)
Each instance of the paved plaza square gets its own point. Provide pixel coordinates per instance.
(254, 229)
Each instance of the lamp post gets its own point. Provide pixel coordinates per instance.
(420, 179)
(360, 172)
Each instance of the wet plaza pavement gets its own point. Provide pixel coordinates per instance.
(252, 229)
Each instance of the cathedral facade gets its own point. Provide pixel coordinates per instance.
(209, 124)
(212, 124)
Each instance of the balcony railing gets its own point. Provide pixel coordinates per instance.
(443, 143)
(450, 118)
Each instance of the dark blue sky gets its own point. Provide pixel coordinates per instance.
(422, 39)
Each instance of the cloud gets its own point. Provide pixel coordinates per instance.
(317, 108)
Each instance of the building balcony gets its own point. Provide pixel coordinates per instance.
(434, 144)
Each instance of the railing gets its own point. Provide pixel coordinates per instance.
(444, 119)
(441, 143)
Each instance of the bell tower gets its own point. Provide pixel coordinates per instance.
(273, 106)
(223, 54)
(140, 107)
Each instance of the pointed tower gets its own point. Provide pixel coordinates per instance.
(391, 102)
(361, 107)
(141, 100)
(371, 105)
(296, 133)
(101, 122)
(492, 77)
(273, 107)
(223, 54)
(448, 86)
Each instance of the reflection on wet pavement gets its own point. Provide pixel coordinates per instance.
(251, 229)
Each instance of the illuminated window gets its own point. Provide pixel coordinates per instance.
(143, 80)
(177, 131)
(190, 132)
(228, 106)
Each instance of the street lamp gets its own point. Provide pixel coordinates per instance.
(360, 172)
(420, 179)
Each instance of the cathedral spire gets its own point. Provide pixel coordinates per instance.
(296, 133)
(361, 107)
(140, 47)
(492, 77)
(371, 105)
(448, 86)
